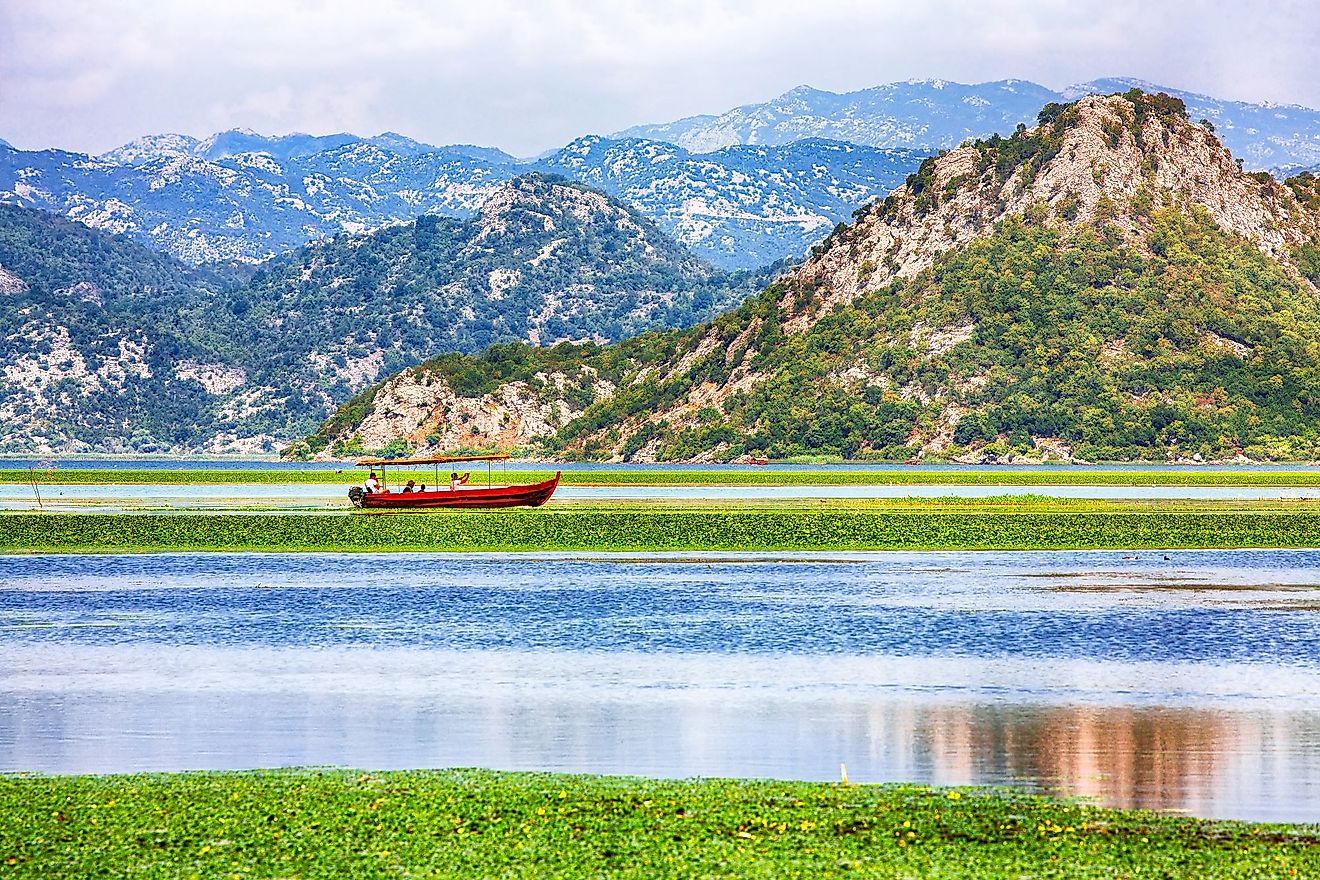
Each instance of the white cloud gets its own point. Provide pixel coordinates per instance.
(89, 74)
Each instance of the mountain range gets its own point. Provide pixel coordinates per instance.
(281, 148)
(922, 115)
(929, 115)
(110, 346)
(201, 202)
(741, 189)
(1107, 284)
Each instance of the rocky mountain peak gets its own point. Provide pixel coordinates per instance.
(1100, 160)
(542, 198)
(152, 146)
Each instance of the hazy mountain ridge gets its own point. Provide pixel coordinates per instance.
(739, 209)
(922, 115)
(114, 347)
(247, 206)
(224, 144)
(929, 115)
(239, 195)
(1108, 284)
(742, 206)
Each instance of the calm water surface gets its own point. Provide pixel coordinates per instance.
(1183, 680)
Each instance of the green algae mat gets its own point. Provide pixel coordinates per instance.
(646, 528)
(457, 824)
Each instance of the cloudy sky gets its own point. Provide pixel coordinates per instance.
(528, 75)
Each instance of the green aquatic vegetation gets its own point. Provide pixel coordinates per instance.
(1188, 476)
(474, 823)
(927, 526)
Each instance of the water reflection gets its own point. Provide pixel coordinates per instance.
(1262, 764)
(1187, 681)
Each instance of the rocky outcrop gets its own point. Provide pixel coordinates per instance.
(1104, 164)
(422, 408)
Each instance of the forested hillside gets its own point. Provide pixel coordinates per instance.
(1107, 285)
(116, 347)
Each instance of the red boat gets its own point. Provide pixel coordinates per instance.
(526, 495)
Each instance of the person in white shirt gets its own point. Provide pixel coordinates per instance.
(372, 484)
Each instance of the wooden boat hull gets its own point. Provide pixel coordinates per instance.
(529, 495)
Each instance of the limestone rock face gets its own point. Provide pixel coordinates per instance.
(1105, 160)
(423, 409)
(11, 283)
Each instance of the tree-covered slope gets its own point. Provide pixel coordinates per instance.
(544, 260)
(104, 338)
(112, 346)
(1106, 285)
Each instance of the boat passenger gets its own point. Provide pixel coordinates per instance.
(410, 487)
(372, 484)
(455, 480)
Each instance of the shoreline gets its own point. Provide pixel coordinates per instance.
(478, 823)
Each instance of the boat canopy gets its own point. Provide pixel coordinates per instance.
(441, 459)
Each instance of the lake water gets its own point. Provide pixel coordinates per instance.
(1182, 681)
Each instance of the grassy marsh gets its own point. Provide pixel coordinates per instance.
(470, 823)
(1013, 524)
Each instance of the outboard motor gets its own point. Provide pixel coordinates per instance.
(355, 494)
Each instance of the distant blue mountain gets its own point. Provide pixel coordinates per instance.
(225, 144)
(924, 115)
(249, 206)
(289, 146)
(741, 206)
(935, 114)
(483, 154)
(742, 189)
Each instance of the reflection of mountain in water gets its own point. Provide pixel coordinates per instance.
(1153, 758)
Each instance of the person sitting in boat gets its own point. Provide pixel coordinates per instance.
(411, 486)
(372, 484)
(455, 480)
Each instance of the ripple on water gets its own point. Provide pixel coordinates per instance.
(1184, 683)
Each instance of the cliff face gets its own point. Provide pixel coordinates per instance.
(1109, 283)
